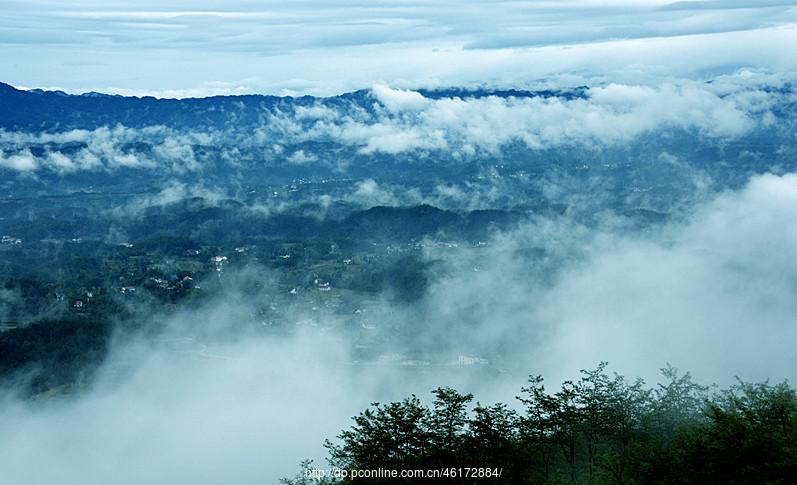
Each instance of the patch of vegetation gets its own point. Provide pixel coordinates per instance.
(599, 429)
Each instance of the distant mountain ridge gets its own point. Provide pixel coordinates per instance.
(37, 109)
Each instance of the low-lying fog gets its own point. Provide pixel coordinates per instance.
(208, 400)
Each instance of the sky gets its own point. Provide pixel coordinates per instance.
(173, 48)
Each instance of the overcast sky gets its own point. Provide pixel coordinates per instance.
(179, 48)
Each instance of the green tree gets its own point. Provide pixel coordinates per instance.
(393, 435)
(447, 425)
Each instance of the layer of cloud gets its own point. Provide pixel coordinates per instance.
(103, 149)
(211, 398)
(329, 47)
(611, 114)
(392, 121)
(712, 292)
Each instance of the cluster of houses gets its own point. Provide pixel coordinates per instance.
(219, 262)
(322, 285)
(10, 241)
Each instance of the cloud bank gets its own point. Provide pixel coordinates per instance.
(391, 121)
(105, 148)
(330, 47)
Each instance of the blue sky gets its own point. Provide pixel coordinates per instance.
(177, 48)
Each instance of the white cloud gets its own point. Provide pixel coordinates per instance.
(299, 157)
(169, 194)
(714, 294)
(105, 148)
(22, 161)
(398, 100)
(615, 113)
(329, 47)
(369, 193)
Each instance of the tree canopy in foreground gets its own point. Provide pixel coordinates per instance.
(598, 429)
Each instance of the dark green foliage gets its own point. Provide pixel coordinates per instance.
(447, 422)
(600, 429)
(750, 435)
(406, 279)
(53, 353)
(394, 435)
